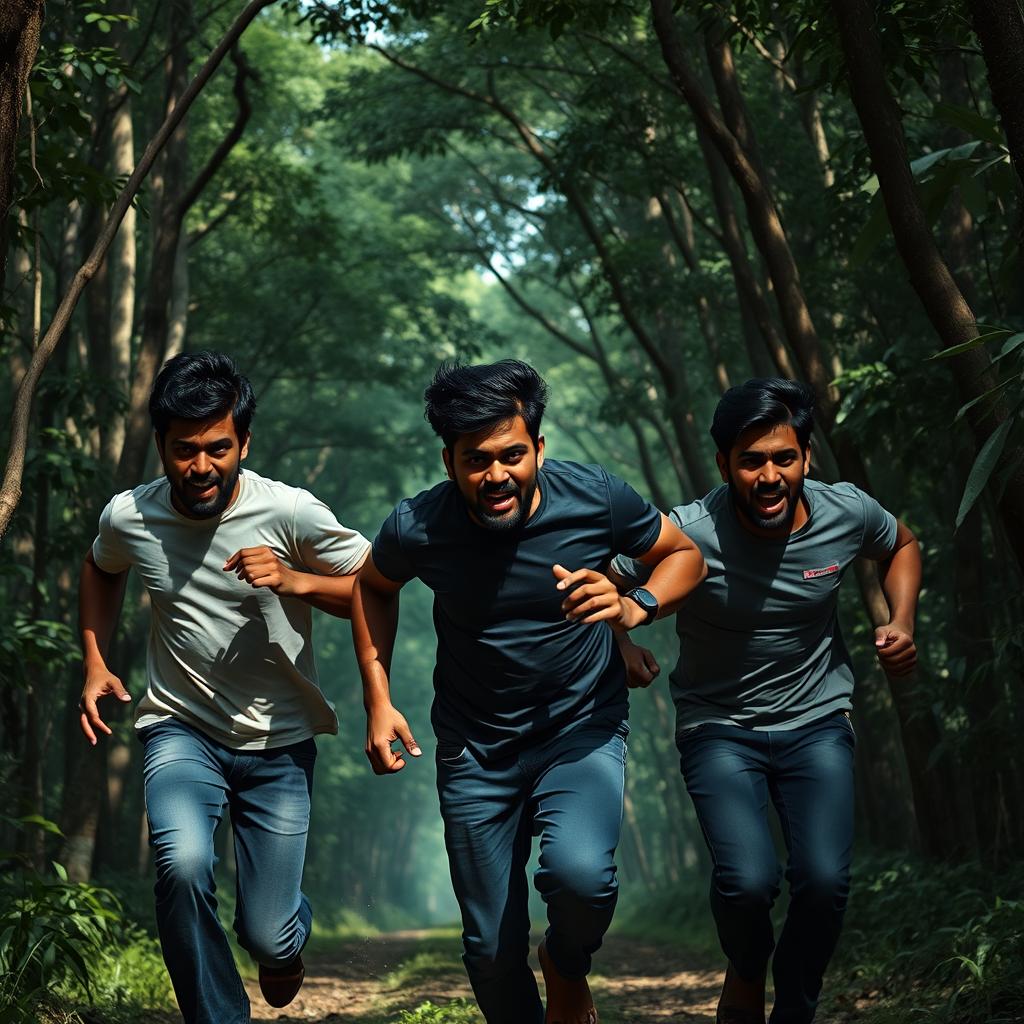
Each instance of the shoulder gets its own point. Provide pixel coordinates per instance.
(700, 513)
(427, 503)
(273, 492)
(128, 506)
(575, 474)
(841, 497)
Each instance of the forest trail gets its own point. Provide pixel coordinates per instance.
(374, 979)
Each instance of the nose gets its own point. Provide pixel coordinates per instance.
(201, 464)
(496, 473)
(769, 473)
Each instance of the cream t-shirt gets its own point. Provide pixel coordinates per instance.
(229, 659)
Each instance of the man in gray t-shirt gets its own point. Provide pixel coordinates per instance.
(764, 684)
(232, 564)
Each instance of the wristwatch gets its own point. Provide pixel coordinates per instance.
(647, 601)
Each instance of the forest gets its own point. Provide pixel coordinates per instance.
(647, 201)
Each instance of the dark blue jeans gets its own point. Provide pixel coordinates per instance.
(731, 773)
(569, 791)
(189, 780)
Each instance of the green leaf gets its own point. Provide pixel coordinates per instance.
(966, 346)
(970, 122)
(982, 468)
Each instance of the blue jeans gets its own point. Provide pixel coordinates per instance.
(569, 791)
(189, 780)
(731, 773)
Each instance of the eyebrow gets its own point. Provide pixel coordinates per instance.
(774, 455)
(511, 449)
(185, 443)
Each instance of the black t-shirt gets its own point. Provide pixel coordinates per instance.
(510, 668)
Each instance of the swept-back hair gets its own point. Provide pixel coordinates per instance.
(464, 399)
(199, 386)
(763, 402)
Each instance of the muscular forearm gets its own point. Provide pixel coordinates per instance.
(331, 594)
(374, 626)
(901, 582)
(674, 577)
(99, 604)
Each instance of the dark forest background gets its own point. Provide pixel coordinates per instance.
(647, 202)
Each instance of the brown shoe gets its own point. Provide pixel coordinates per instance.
(280, 985)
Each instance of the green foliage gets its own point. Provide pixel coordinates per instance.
(457, 1011)
(51, 933)
(942, 943)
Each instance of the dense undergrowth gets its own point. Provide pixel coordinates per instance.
(921, 942)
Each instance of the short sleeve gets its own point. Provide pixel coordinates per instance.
(879, 537)
(323, 545)
(636, 523)
(109, 551)
(388, 554)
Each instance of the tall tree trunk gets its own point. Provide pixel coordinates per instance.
(929, 275)
(762, 215)
(20, 23)
(122, 278)
(1000, 28)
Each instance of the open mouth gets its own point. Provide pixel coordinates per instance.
(200, 491)
(501, 502)
(769, 505)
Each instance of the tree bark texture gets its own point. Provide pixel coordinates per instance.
(20, 24)
(943, 302)
(10, 490)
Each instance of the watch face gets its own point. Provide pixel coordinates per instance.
(646, 600)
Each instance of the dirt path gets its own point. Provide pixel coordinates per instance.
(375, 979)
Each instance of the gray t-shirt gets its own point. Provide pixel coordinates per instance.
(234, 661)
(759, 639)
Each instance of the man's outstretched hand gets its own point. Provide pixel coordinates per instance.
(98, 683)
(592, 597)
(894, 645)
(385, 725)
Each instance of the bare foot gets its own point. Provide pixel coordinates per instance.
(742, 1002)
(569, 1000)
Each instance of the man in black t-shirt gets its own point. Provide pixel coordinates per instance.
(530, 691)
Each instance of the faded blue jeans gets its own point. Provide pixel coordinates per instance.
(189, 780)
(568, 790)
(731, 773)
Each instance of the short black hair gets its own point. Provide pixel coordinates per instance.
(763, 402)
(464, 399)
(199, 386)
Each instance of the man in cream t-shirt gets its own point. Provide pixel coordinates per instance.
(233, 564)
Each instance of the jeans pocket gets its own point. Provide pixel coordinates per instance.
(451, 754)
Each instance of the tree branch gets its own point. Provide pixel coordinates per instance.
(10, 491)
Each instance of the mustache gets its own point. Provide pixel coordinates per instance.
(508, 487)
(769, 490)
(203, 482)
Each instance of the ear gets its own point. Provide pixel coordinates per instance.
(540, 451)
(446, 458)
(807, 460)
(245, 446)
(723, 467)
(159, 447)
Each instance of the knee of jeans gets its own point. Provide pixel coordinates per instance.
(576, 875)
(268, 944)
(184, 866)
(826, 884)
(753, 885)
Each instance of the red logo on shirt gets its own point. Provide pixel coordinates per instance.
(813, 574)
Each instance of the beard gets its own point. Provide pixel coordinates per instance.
(515, 515)
(205, 508)
(750, 508)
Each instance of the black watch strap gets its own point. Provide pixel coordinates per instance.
(647, 601)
